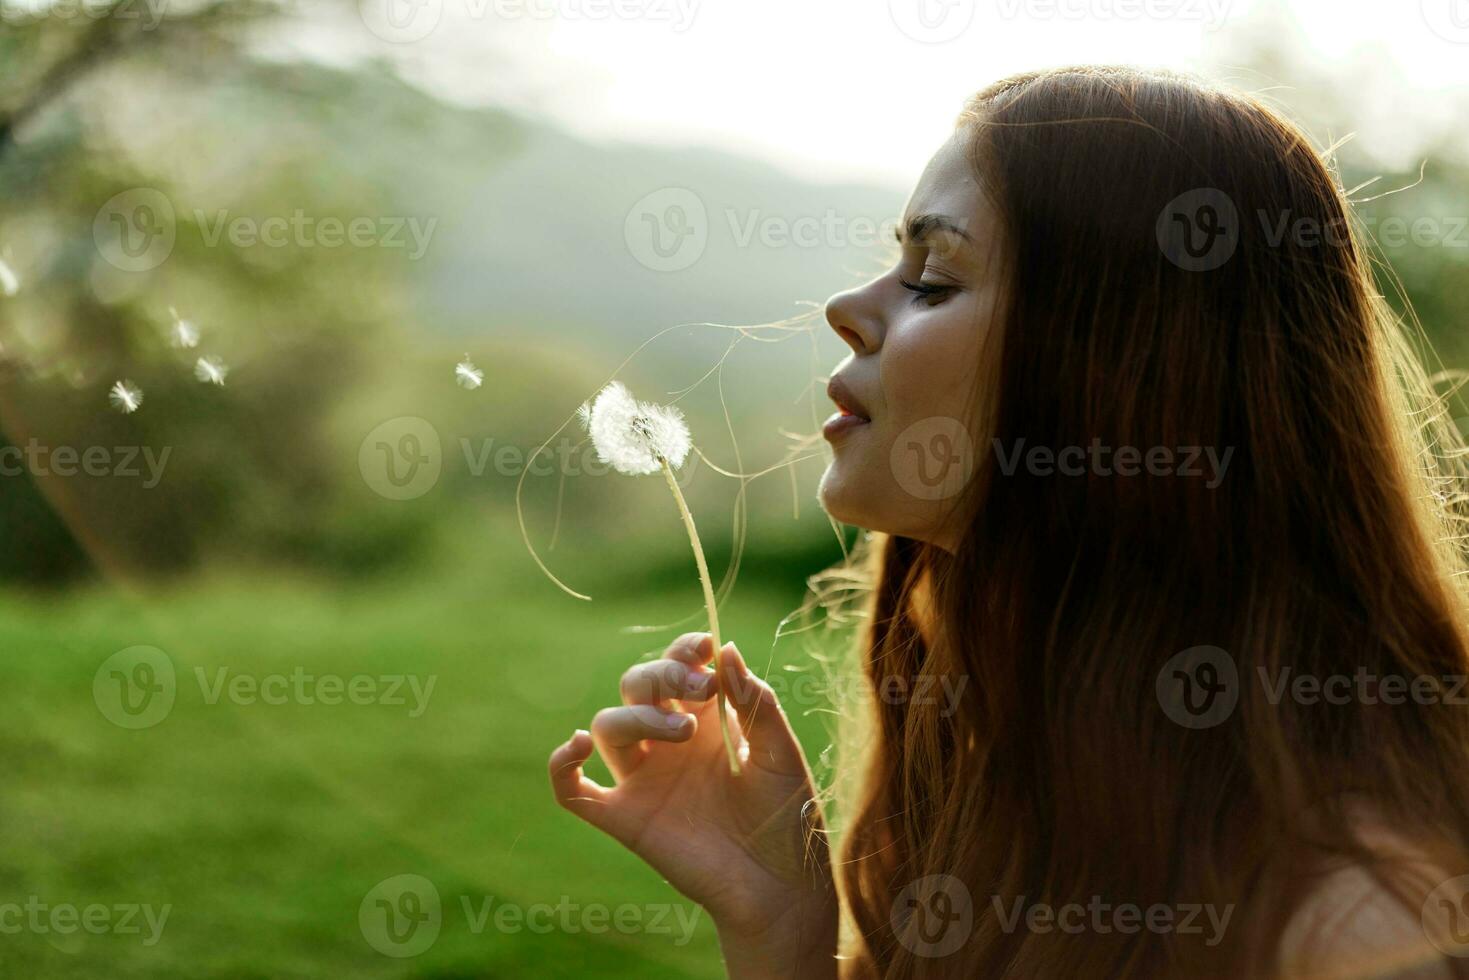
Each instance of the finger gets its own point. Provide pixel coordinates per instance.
(619, 733)
(773, 744)
(694, 649)
(657, 681)
(573, 790)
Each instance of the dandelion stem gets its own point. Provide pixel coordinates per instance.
(709, 605)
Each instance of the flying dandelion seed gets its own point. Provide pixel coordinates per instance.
(467, 376)
(125, 397)
(9, 281)
(184, 334)
(638, 438)
(210, 370)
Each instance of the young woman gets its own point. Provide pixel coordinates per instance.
(1163, 493)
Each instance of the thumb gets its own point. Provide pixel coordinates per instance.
(773, 746)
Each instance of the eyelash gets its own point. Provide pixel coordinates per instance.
(929, 293)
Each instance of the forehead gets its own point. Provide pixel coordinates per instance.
(949, 187)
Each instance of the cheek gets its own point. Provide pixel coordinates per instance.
(930, 367)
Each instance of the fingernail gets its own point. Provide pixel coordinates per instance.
(677, 721)
(697, 681)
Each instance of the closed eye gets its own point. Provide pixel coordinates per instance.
(927, 292)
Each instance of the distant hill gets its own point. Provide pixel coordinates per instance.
(531, 222)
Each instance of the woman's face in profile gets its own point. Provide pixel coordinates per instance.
(905, 442)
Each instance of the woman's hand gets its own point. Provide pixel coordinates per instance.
(751, 849)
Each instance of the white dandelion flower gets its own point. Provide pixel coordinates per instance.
(638, 438)
(184, 334)
(125, 397)
(9, 281)
(210, 370)
(467, 376)
(635, 437)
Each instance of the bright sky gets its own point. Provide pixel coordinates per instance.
(862, 89)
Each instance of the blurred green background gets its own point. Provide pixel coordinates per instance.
(139, 158)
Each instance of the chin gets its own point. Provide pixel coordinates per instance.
(829, 494)
(843, 499)
(857, 500)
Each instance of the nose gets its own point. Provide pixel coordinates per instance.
(855, 317)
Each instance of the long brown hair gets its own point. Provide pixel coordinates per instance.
(1329, 548)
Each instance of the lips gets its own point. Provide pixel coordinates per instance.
(850, 412)
(846, 402)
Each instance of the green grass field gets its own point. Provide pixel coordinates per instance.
(265, 826)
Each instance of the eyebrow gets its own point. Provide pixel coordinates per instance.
(920, 226)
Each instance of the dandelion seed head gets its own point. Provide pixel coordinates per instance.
(210, 370)
(467, 376)
(9, 281)
(125, 397)
(635, 437)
